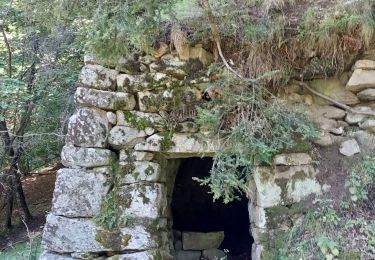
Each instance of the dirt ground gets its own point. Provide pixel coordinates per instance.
(38, 190)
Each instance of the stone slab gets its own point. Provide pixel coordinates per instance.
(360, 80)
(364, 65)
(122, 137)
(144, 171)
(79, 193)
(201, 241)
(145, 200)
(86, 157)
(106, 100)
(98, 77)
(281, 186)
(64, 235)
(292, 159)
(126, 156)
(46, 255)
(88, 127)
(183, 145)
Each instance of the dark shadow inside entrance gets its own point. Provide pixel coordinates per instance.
(194, 210)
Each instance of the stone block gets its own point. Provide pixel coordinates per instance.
(281, 187)
(88, 127)
(123, 137)
(325, 139)
(64, 235)
(145, 255)
(201, 241)
(154, 102)
(46, 255)
(368, 125)
(79, 193)
(112, 118)
(330, 112)
(366, 139)
(360, 80)
(144, 171)
(367, 94)
(143, 200)
(182, 145)
(86, 157)
(133, 83)
(364, 65)
(256, 252)
(106, 100)
(268, 192)
(98, 77)
(334, 89)
(213, 254)
(90, 59)
(188, 255)
(292, 159)
(257, 216)
(140, 120)
(126, 156)
(349, 147)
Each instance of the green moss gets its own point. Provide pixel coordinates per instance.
(149, 170)
(139, 123)
(166, 141)
(125, 239)
(279, 216)
(110, 239)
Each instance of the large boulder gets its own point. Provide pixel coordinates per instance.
(65, 235)
(361, 79)
(86, 157)
(79, 193)
(106, 100)
(334, 89)
(88, 127)
(98, 77)
(201, 241)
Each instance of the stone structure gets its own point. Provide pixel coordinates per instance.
(124, 118)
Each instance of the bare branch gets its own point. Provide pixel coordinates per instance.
(334, 102)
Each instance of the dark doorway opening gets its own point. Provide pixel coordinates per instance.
(193, 210)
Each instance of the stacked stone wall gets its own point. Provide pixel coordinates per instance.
(129, 121)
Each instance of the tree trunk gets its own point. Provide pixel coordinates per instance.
(21, 198)
(9, 200)
(9, 50)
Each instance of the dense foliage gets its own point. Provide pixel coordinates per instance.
(38, 72)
